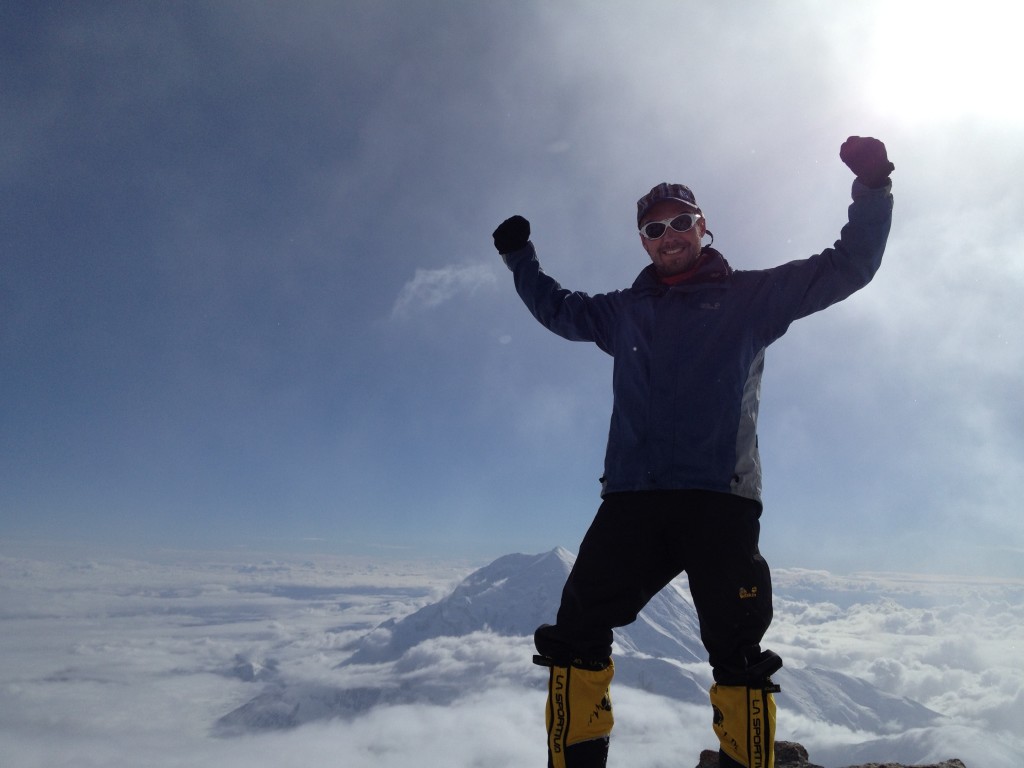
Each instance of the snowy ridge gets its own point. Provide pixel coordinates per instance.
(481, 635)
(512, 596)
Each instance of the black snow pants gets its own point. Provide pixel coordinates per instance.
(636, 545)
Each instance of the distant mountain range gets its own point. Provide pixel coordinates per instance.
(660, 653)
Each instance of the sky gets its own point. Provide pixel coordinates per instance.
(121, 662)
(248, 294)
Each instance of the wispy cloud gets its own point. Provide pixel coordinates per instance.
(430, 288)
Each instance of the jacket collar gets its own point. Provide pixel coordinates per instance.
(711, 268)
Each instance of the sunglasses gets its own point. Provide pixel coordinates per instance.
(684, 222)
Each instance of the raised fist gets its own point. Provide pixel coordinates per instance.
(511, 235)
(866, 157)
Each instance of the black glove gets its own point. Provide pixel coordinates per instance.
(511, 235)
(867, 159)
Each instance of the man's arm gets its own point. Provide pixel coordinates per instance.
(571, 314)
(862, 241)
(800, 288)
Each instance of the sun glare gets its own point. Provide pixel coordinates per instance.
(943, 60)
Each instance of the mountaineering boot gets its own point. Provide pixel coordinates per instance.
(578, 712)
(744, 717)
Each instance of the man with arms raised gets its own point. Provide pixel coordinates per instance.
(681, 490)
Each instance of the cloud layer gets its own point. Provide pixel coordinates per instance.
(135, 661)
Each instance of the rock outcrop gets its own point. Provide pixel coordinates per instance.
(789, 754)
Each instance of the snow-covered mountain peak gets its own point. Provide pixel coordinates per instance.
(501, 605)
(512, 596)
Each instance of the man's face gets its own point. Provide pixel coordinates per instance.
(674, 252)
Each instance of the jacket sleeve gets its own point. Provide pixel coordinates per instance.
(800, 288)
(573, 315)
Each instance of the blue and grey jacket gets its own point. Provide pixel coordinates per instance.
(688, 358)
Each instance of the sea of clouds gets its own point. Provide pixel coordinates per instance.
(153, 661)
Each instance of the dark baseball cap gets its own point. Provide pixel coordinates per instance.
(665, 191)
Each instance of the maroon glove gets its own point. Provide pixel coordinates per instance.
(867, 159)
